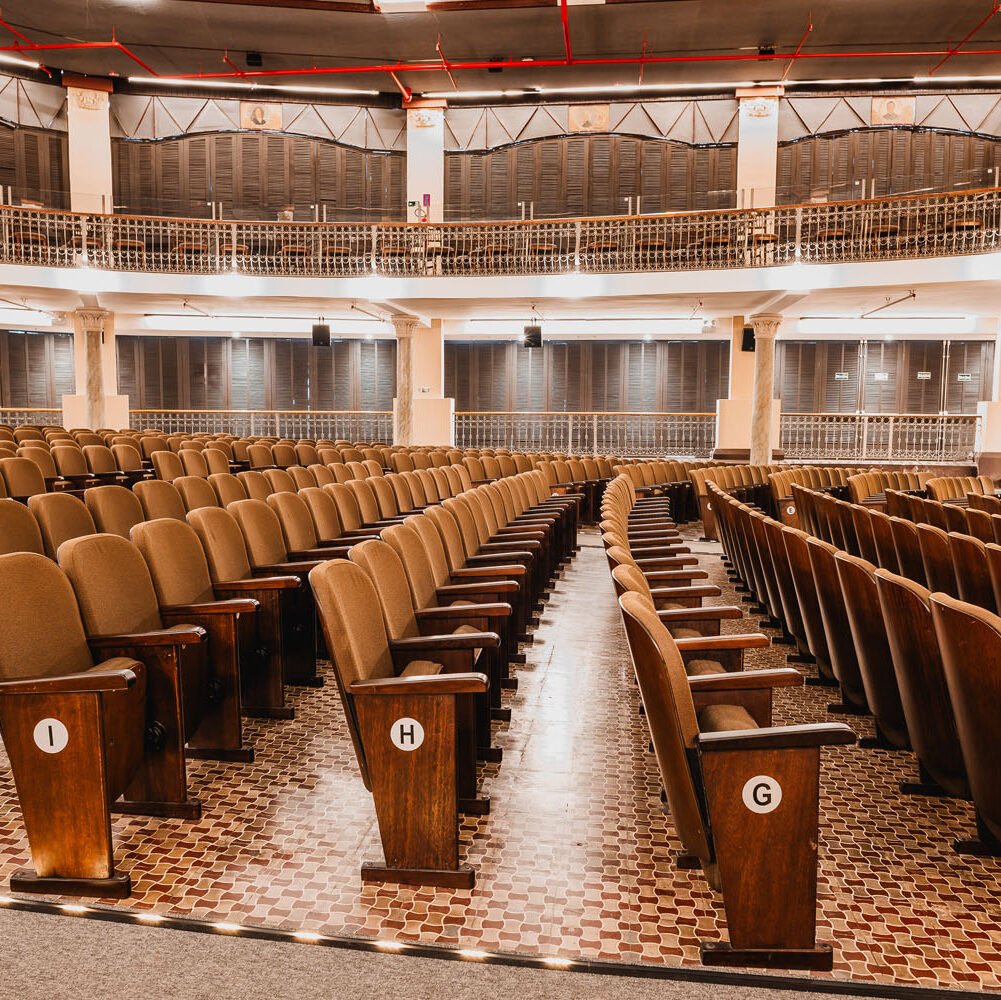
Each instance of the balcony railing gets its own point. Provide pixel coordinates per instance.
(351, 425)
(633, 434)
(19, 416)
(882, 437)
(897, 228)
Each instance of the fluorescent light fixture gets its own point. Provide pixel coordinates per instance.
(608, 88)
(986, 78)
(176, 81)
(401, 6)
(9, 60)
(887, 326)
(25, 317)
(611, 328)
(243, 325)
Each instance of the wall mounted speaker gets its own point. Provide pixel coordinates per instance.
(321, 335)
(532, 337)
(747, 343)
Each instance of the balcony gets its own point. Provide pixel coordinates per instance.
(888, 229)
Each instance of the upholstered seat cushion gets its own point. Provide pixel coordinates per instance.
(725, 718)
(421, 668)
(696, 668)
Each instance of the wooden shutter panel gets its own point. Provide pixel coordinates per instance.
(880, 396)
(922, 395)
(969, 358)
(195, 177)
(838, 395)
(599, 176)
(127, 349)
(530, 378)
(248, 379)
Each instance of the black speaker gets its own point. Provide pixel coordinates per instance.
(747, 344)
(321, 335)
(532, 337)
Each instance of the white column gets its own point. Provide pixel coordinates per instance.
(757, 146)
(89, 113)
(988, 446)
(425, 160)
(403, 404)
(763, 436)
(433, 412)
(96, 402)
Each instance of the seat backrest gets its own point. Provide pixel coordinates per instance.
(973, 577)
(385, 496)
(216, 461)
(115, 509)
(222, 542)
(227, 488)
(176, 561)
(978, 524)
(19, 531)
(256, 485)
(159, 499)
(262, 532)
(22, 478)
(386, 572)
(917, 663)
(112, 585)
(936, 557)
(450, 533)
(321, 475)
(368, 506)
(167, 466)
(193, 463)
(259, 456)
(670, 716)
(298, 529)
(302, 477)
(280, 481)
(434, 547)
(322, 509)
(347, 505)
(407, 544)
(908, 548)
(882, 533)
(33, 644)
(196, 492)
(283, 455)
(127, 457)
(60, 516)
(306, 455)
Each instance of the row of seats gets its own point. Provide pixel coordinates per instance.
(181, 620)
(743, 793)
(871, 487)
(956, 488)
(901, 616)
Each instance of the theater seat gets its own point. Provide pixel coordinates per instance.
(60, 517)
(115, 509)
(159, 499)
(19, 531)
(48, 673)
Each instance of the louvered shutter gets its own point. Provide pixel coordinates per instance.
(303, 182)
(248, 374)
(195, 176)
(923, 377)
(551, 191)
(599, 176)
(971, 358)
(556, 365)
(880, 394)
(530, 378)
(651, 183)
(127, 349)
(455, 194)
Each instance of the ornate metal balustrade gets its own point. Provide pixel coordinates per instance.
(633, 434)
(351, 425)
(883, 437)
(13, 416)
(881, 229)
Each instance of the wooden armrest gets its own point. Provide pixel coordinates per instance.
(471, 589)
(666, 593)
(667, 575)
(277, 582)
(440, 684)
(700, 614)
(232, 606)
(293, 566)
(666, 561)
(495, 610)
(489, 568)
(494, 558)
(822, 734)
(461, 640)
(86, 682)
(527, 547)
(176, 635)
(322, 553)
(748, 640)
(747, 680)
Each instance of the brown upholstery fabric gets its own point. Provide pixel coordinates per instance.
(725, 718)
(223, 543)
(262, 532)
(176, 561)
(280, 481)
(159, 499)
(33, 644)
(19, 531)
(60, 516)
(257, 487)
(227, 488)
(384, 568)
(323, 510)
(407, 544)
(347, 505)
(196, 492)
(21, 477)
(298, 530)
(112, 585)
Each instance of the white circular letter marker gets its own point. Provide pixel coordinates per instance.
(51, 736)
(406, 734)
(762, 794)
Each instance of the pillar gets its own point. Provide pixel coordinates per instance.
(425, 160)
(433, 412)
(96, 402)
(89, 114)
(763, 435)
(403, 404)
(734, 414)
(757, 146)
(988, 442)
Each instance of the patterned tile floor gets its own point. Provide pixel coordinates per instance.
(576, 856)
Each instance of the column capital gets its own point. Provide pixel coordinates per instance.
(766, 325)
(91, 319)
(404, 326)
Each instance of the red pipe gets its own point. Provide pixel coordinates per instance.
(799, 48)
(955, 51)
(565, 18)
(404, 90)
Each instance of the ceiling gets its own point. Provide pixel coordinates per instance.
(191, 36)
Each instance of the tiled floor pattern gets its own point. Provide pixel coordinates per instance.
(576, 856)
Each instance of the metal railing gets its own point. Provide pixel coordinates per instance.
(631, 434)
(879, 437)
(351, 425)
(902, 227)
(19, 416)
